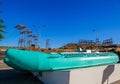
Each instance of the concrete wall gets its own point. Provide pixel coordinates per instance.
(95, 75)
(56, 77)
(92, 75)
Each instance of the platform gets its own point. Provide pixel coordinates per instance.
(93, 75)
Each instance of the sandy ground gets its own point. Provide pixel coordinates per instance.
(117, 82)
(11, 76)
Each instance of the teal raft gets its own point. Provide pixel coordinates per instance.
(39, 61)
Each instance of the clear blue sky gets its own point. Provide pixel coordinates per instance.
(67, 20)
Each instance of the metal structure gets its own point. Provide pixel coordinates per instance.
(22, 40)
(48, 43)
(36, 40)
(23, 31)
(29, 41)
(86, 42)
(108, 41)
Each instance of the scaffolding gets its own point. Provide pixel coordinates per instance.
(29, 41)
(36, 41)
(22, 40)
(108, 41)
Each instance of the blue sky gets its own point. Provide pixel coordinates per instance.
(66, 20)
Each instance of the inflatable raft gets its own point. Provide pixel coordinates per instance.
(39, 61)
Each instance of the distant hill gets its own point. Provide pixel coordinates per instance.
(69, 46)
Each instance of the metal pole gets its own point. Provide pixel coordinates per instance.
(39, 37)
(39, 33)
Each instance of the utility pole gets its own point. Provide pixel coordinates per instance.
(97, 39)
(96, 34)
(39, 32)
(36, 40)
(48, 43)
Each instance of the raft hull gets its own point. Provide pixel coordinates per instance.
(39, 61)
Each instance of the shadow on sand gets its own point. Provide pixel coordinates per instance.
(12, 76)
